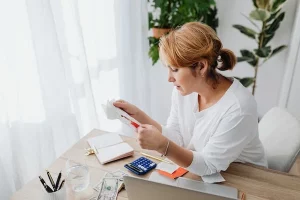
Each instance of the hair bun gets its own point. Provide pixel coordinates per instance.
(227, 60)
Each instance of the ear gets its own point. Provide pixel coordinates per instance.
(203, 67)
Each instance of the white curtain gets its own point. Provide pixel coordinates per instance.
(59, 60)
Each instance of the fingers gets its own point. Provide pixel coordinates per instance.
(145, 136)
(143, 127)
(141, 138)
(146, 126)
(120, 103)
(140, 129)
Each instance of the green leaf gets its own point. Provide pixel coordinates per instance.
(175, 13)
(153, 54)
(211, 18)
(247, 31)
(263, 52)
(267, 39)
(254, 3)
(153, 41)
(153, 50)
(247, 81)
(278, 49)
(237, 78)
(264, 4)
(249, 54)
(275, 24)
(260, 15)
(273, 15)
(244, 58)
(277, 4)
(150, 20)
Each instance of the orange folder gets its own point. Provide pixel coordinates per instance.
(179, 172)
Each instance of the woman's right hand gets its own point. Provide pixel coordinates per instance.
(129, 108)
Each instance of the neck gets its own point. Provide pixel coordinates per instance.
(209, 95)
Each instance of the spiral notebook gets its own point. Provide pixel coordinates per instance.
(110, 147)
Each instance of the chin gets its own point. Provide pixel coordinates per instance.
(183, 93)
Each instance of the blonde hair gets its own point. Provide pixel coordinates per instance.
(194, 41)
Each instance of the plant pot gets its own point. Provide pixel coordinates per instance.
(158, 32)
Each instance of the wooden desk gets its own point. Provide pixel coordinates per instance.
(256, 182)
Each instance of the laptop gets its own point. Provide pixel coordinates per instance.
(142, 189)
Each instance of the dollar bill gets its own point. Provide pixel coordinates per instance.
(116, 174)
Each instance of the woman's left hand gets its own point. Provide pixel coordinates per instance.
(150, 137)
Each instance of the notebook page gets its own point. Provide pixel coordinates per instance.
(114, 152)
(104, 140)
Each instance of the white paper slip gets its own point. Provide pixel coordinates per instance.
(213, 178)
(156, 177)
(170, 168)
(104, 140)
(113, 112)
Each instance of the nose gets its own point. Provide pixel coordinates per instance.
(170, 77)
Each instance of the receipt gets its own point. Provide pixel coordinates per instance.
(113, 112)
(213, 178)
(170, 168)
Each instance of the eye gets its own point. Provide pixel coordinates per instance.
(173, 69)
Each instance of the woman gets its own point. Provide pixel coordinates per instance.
(213, 120)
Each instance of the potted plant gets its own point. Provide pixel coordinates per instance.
(169, 14)
(269, 15)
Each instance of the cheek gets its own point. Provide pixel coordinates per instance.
(184, 79)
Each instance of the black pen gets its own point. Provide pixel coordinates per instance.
(57, 181)
(62, 184)
(47, 188)
(51, 180)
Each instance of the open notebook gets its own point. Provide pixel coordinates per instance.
(110, 147)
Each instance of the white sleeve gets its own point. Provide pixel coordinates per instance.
(172, 129)
(233, 133)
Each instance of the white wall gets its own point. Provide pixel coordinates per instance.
(291, 83)
(270, 75)
(293, 105)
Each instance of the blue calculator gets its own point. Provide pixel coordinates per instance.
(141, 166)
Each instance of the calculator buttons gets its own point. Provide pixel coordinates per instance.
(141, 166)
(151, 165)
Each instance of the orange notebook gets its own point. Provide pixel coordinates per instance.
(179, 172)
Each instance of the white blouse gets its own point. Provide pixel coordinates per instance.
(219, 135)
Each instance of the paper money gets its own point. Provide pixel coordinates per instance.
(116, 174)
(109, 190)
